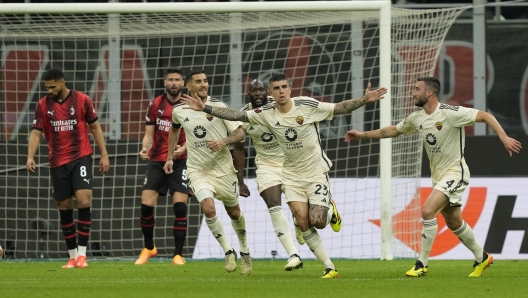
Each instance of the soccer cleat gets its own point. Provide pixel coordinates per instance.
(294, 262)
(298, 233)
(246, 264)
(230, 261)
(178, 260)
(479, 267)
(418, 270)
(72, 263)
(81, 262)
(330, 273)
(335, 222)
(145, 255)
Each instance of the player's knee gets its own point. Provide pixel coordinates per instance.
(428, 213)
(234, 214)
(180, 210)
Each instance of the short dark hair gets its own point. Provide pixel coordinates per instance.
(278, 77)
(173, 70)
(191, 73)
(54, 74)
(432, 84)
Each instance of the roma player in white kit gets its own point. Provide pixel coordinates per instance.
(210, 167)
(295, 124)
(269, 160)
(441, 127)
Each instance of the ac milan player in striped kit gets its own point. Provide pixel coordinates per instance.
(65, 116)
(155, 150)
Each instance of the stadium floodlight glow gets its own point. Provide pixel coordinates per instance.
(117, 53)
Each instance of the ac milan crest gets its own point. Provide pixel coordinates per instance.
(72, 110)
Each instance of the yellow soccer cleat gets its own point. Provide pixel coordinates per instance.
(72, 263)
(480, 267)
(230, 261)
(330, 273)
(335, 222)
(246, 264)
(145, 255)
(178, 260)
(418, 270)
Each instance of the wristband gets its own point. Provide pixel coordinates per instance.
(208, 109)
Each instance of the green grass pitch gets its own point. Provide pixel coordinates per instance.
(361, 278)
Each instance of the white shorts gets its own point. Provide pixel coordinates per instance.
(314, 190)
(268, 177)
(452, 185)
(225, 188)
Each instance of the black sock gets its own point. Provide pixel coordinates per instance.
(84, 222)
(68, 228)
(180, 227)
(147, 222)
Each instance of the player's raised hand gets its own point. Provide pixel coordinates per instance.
(144, 154)
(104, 164)
(30, 165)
(168, 167)
(215, 145)
(178, 151)
(193, 102)
(512, 145)
(374, 95)
(353, 135)
(244, 190)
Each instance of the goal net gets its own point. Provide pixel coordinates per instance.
(119, 60)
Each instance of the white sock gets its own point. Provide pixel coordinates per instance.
(217, 229)
(282, 229)
(73, 253)
(467, 237)
(81, 251)
(314, 242)
(239, 226)
(429, 230)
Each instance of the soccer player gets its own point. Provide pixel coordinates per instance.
(441, 127)
(155, 150)
(210, 167)
(63, 116)
(269, 159)
(295, 124)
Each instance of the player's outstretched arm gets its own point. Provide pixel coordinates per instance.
(33, 144)
(197, 104)
(236, 136)
(511, 145)
(174, 136)
(382, 133)
(146, 143)
(239, 160)
(350, 105)
(104, 161)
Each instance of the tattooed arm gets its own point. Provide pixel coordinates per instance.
(382, 133)
(226, 113)
(348, 106)
(236, 136)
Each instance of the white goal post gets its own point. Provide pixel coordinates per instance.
(346, 43)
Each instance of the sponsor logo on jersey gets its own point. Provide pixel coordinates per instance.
(439, 125)
(200, 132)
(266, 137)
(186, 119)
(290, 134)
(161, 112)
(209, 117)
(300, 120)
(51, 113)
(430, 139)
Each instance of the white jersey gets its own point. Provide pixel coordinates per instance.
(269, 153)
(298, 134)
(443, 137)
(199, 128)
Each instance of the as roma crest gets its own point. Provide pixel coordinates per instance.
(300, 120)
(209, 117)
(439, 125)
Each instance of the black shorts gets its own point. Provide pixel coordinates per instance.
(157, 180)
(71, 177)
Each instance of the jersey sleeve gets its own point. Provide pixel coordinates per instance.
(462, 116)
(89, 111)
(256, 117)
(150, 118)
(407, 125)
(324, 111)
(175, 121)
(39, 120)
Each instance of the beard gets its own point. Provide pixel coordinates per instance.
(173, 93)
(421, 102)
(56, 96)
(263, 101)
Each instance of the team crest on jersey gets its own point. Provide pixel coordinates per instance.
(439, 125)
(209, 117)
(72, 110)
(300, 120)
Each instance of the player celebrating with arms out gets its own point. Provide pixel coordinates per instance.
(269, 159)
(441, 127)
(210, 167)
(64, 116)
(295, 124)
(155, 141)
